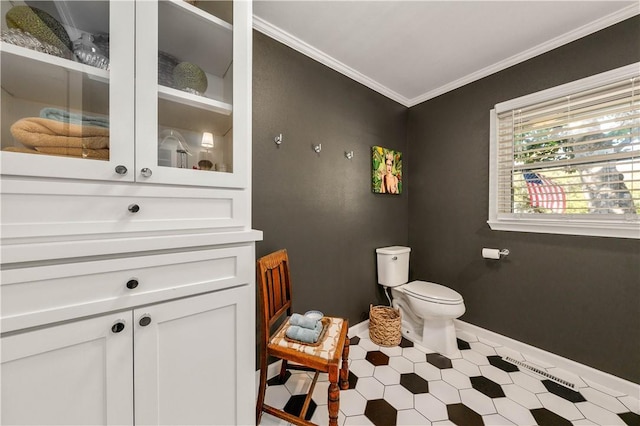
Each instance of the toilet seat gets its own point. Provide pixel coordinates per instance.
(432, 292)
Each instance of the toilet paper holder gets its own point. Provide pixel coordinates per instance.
(489, 253)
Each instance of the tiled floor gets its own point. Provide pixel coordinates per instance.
(408, 385)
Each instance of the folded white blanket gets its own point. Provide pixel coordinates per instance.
(306, 335)
(65, 116)
(302, 321)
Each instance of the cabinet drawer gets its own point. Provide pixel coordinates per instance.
(39, 295)
(39, 209)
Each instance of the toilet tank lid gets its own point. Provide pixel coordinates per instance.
(393, 250)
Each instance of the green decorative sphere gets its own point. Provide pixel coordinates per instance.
(39, 24)
(189, 77)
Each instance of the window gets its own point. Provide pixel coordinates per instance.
(567, 160)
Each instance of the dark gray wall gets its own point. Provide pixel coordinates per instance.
(321, 207)
(578, 297)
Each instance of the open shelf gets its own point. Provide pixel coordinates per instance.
(192, 117)
(49, 77)
(201, 102)
(174, 16)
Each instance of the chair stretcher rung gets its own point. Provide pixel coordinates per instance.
(307, 400)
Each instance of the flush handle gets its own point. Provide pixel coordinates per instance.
(394, 258)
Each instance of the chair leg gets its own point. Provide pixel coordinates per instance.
(344, 370)
(262, 387)
(333, 397)
(283, 371)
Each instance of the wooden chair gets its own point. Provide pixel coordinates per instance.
(329, 355)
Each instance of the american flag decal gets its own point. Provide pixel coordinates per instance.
(544, 193)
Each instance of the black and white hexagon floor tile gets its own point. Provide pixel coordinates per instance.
(408, 385)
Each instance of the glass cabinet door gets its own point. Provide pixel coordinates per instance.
(67, 89)
(186, 104)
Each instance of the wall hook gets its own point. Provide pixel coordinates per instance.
(317, 148)
(278, 139)
(348, 154)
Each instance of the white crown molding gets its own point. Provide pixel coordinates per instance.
(306, 49)
(554, 43)
(293, 42)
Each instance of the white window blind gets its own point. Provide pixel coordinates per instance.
(569, 158)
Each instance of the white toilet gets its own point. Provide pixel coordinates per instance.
(427, 309)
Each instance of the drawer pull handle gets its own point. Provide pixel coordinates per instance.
(133, 208)
(132, 283)
(117, 327)
(145, 320)
(146, 172)
(121, 170)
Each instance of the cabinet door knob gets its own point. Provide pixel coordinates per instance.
(121, 170)
(132, 283)
(146, 172)
(145, 320)
(133, 208)
(117, 327)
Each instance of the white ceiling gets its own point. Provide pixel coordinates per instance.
(411, 51)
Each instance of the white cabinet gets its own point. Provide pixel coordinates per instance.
(155, 123)
(190, 365)
(171, 333)
(33, 80)
(183, 358)
(79, 373)
(153, 159)
(223, 51)
(127, 291)
(34, 296)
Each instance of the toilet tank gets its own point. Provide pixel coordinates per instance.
(393, 265)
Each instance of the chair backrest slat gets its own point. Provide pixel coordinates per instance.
(274, 282)
(276, 289)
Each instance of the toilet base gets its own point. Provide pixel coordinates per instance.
(437, 335)
(436, 331)
(440, 335)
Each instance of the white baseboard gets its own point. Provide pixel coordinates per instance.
(354, 330)
(584, 371)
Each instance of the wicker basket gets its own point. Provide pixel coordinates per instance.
(384, 325)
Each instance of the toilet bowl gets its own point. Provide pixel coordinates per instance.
(427, 309)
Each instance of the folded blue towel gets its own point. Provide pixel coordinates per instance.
(73, 118)
(306, 335)
(302, 321)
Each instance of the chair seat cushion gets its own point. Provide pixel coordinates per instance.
(325, 349)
